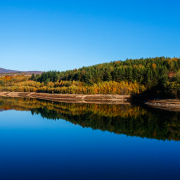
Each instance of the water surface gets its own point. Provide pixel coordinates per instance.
(46, 140)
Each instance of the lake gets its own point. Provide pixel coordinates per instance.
(48, 140)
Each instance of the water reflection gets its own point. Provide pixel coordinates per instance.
(120, 119)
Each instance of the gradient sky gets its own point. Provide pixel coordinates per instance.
(67, 34)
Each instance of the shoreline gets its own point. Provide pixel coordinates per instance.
(164, 104)
(72, 98)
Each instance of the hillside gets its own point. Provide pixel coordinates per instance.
(158, 77)
(146, 71)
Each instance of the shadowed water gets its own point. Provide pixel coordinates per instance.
(46, 140)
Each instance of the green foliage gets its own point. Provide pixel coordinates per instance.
(159, 76)
(33, 77)
(145, 71)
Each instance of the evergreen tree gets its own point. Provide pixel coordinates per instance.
(33, 77)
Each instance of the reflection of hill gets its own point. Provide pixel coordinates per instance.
(74, 109)
(120, 119)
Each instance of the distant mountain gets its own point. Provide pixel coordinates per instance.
(31, 72)
(2, 70)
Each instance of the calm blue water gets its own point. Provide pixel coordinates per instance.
(32, 147)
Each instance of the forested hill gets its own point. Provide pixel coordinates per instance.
(163, 72)
(158, 76)
(145, 71)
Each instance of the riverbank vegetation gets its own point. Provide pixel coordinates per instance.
(73, 87)
(158, 76)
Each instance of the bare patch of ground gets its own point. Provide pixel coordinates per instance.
(166, 104)
(73, 98)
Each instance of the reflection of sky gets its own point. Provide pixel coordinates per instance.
(36, 148)
(23, 119)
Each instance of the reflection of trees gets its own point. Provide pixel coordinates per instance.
(105, 110)
(148, 125)
(120, 119)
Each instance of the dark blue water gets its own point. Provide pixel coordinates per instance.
(32, 147)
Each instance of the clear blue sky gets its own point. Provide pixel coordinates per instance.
(67, 34)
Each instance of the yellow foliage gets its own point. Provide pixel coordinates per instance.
(154, 66)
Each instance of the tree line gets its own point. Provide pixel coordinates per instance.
(159, 76)
(145, 71)
(160, 72)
